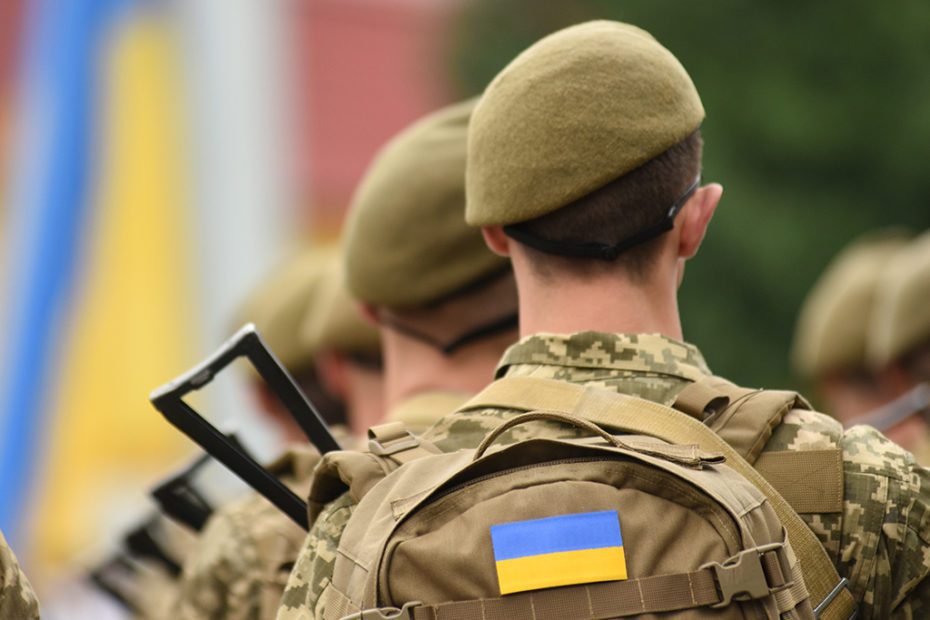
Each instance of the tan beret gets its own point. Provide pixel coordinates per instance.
(336, 323)
(278, 307)
(902, 315)
(833, 324)
(406, 241)
(578, 109)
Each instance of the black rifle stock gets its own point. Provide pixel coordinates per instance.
(178, 497)
(169, 400)
(110, 577)
(143, 542)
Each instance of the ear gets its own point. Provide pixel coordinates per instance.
(695, 217)
(496, 240)
(367, 312)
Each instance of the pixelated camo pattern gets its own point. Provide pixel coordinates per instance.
(880, 542)
(17, 599)
(242, 560)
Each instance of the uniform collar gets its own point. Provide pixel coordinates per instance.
(641, 353)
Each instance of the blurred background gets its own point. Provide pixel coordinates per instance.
(158, 157)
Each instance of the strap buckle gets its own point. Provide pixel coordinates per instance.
(390, 438)
(742, 577)
(385, 613)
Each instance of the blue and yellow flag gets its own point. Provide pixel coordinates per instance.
(558, 551)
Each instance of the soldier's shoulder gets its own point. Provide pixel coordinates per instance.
(17, 598)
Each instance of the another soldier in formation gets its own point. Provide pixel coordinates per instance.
(584, 161)
(17, 599)
(899, 347)
(446, 306)
(829, 348)
(245, 552)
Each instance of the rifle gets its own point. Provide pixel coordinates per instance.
(168, 399)
(178, 496)
(143, 542)
(113, 577)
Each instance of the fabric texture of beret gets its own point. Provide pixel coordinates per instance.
(336, 324)
(406, 241)
(901, 321)
(576, 110)
(834, 322)
(279, 305)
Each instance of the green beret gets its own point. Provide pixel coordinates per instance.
(902, 315)
(278, 307)
(833, 324)
(336, 323)
(577, 110)
(406, 242)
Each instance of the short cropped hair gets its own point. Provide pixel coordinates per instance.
(619, 210)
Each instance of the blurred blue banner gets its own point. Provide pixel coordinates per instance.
(49, 185)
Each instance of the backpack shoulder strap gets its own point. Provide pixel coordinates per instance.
(811, 481)
(744, 417)
(390, 445)
(637, 415)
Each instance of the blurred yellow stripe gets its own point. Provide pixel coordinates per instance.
(131, 328)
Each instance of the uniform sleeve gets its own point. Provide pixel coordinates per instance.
(314, 566)
(222, 576)
(885, 542)
(17, 599)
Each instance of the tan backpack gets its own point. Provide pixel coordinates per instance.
(647, 524)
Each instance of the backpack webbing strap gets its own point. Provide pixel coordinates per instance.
(753, 574)
(637, 415)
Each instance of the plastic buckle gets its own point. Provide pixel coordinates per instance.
(742, 577)
(392, 445)
(385, 613)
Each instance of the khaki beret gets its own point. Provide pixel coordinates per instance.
(337, 324)
(278, 307)
(834, 321)
(575, 111)
(901, 320)
(406, 241)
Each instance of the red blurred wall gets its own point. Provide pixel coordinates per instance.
(365, 69)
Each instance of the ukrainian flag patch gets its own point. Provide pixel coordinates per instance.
(558, 551)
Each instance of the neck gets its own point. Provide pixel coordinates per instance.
(604, 302)
(413, 367)
(364, 397)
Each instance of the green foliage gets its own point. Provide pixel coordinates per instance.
(818, 126)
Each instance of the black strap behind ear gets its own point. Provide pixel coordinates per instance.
(601, 251)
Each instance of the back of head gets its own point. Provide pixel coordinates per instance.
(834, 322)
(279, 307)
(585, 142)
(408, 250)
(333, 323)
(900, 325)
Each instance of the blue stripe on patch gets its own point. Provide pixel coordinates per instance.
(587, 530)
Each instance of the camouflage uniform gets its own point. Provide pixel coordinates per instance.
(239, 568)
(880, 542)
(17, 599)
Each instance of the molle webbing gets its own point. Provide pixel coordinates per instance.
(614, 599)
(636, 415)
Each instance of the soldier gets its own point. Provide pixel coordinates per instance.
(830, 338)
(239, 567)
(898, 347)
(584, 160)
(445, 305)
(17, 599)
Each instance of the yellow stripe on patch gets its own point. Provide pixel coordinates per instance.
(566, 568)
